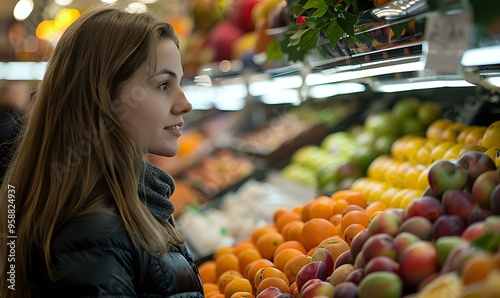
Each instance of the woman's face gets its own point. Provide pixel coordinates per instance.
(153, 102)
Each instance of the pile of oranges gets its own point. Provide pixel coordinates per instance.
(274, 253)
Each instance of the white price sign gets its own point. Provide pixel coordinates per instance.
(446, 37)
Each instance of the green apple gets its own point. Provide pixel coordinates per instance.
(412, 126)
(428, 112)
(406, 108)
(383, 144)
(382, 123)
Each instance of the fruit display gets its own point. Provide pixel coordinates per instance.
(218, 172)
(207, 227)
(438, 238)
(344, 156)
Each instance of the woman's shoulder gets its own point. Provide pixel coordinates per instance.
(100, 228)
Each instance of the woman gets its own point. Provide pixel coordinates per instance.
(92, 217)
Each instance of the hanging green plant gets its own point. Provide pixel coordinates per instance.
(332, 19)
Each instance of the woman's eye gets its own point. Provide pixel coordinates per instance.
(164, 86)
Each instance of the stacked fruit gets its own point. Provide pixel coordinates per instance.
(343, 157)
(401, 177)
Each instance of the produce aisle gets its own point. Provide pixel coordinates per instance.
(363, 160)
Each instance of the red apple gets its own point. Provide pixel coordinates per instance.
(356, 276)
(459, 203)
(475, 163)
(444, 175)
(322, 254)
(379, 245)
(403, 240)
(270, 292)
(419, 226)
(478, 214)
(386, 222)
(483, 187)
(380, 284)
(425, 206)
(346, 290)
(381, 263)
(317, 289)
(448, 225)
(221, 38)
(340, 274)
(455, 257)
(357, 243)
(495, 200)
(473, 231)
(312, 270)
(417, 261)
(344, 258)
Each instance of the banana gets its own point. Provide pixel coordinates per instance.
(446, 285)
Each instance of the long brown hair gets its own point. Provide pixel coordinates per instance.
(76, 154)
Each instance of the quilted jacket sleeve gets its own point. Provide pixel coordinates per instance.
(93, 258)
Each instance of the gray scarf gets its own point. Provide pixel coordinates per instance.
(155, 189)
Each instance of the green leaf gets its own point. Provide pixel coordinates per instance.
(316, 23)
(320, 12)
(295, 38)
(334, 33)
(315, 4)
(293, 53)
(347, 22)
(488, 241)
(309, 40)
(398, 29)
(274, 51)
(298, 10)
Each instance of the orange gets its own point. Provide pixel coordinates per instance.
(351, 231)
(226, 262)
(311, 251)
(354, 217)
(290, 244)
(221, 251)
(208, 272)
(279, 212)
(477, 267)
(321, 208)
(226, 277)
(268, 243)
(214, 295)
(296, 293)
(450, 132)
(284, 256)
(237, 285)
(305, 210)
(248, 256)
(293, 230)
(269, 272)
(352, 207)
(209, 287)
(297, 209)
(491, 137)
(273, 282)
(335, 245)
(375, 206)
(293, 286)
(243, 295)
(242, 246)
(293, 266)
(257, 232)
(254, 267)
(315, 230)
(286, 218)
(335, 219)
(339, 206)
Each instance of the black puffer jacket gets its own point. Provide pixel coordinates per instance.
(94, 257)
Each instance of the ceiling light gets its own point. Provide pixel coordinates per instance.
(407, 86)
(23, 9)
(330, 90)
(63, 2)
